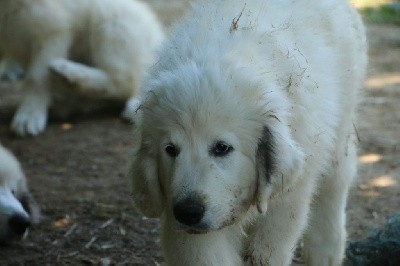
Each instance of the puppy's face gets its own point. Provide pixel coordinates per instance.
(17, 207)
(199, 149)
(211, 143)
(208, 175)
(14, 218)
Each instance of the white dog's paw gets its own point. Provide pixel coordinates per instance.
(322, 256)
(29, 120)
(265, 257)
(131, 107)
(324, 249)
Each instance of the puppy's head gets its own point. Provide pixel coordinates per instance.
(212, 142)
(18, 210)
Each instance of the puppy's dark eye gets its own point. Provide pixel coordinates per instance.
(220, 149)
(172, 150)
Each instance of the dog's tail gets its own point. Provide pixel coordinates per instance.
(89, 81)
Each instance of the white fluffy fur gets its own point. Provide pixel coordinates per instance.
(278, 81)
(14, 195)
(102, 48)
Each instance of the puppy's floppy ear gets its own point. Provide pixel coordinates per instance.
(143, 172)
(145, 185)
(264, 166)
(279, 163)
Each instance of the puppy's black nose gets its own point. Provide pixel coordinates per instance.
(189, 211)
(18, 224)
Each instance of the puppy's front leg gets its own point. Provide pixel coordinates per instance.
(275, 235)
(325, 239)
(31, 116)
(215, 248)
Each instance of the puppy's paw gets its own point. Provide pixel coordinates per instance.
(29, 120)
(11, 74)
(323, 248)
(322, 256)
(264, 257)
(131, 107)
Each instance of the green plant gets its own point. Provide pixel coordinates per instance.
(389, 13)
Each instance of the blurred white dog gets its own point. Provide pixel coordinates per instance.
(18, 209)
(102, 48)
(245, 136)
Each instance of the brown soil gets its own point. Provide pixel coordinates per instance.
(76, 171)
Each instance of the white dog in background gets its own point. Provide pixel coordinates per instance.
(245, 135)
(102, 48)
(18, 209)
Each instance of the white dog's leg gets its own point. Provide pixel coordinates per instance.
(276, 235)
(31, 116)
(324, 242)
(88, 80)
(217, 248)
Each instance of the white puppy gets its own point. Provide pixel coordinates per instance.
(18, 209)
(110, 44)
(245, 135)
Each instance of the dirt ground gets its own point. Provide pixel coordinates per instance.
(76, 171)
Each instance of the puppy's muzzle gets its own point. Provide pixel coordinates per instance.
(189, 211)
(18, 224)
